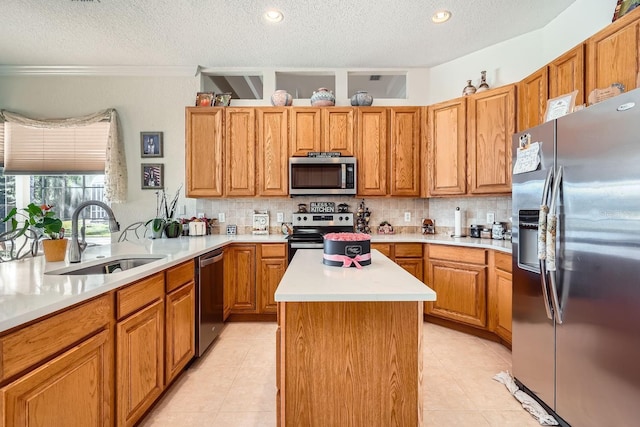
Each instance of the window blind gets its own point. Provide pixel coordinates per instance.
(1, 143)
(49, 151)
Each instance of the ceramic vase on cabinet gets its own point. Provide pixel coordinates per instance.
(323, 97)
(281, 98)
(361, 99)
(469, 89)
(483, 82)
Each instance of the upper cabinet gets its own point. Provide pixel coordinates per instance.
(322, 129)
(405, 151)
(372, 150)
(272, 151)
(612, 54)
(239, 154)
(203, 150)
(566, 74)
(533, 93)
(490, 127)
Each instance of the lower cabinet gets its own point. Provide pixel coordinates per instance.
(406, 255)
(500, 296)
(272, 265)
(459, 277)
(240, 278)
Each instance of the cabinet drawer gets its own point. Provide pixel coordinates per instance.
(408, 250)
(32, 344)
(503, 261)
(458, 253)
(278, 250)
(385, 248)
(179, 275)
(139, 294)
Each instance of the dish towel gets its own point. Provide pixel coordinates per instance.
(527, 401)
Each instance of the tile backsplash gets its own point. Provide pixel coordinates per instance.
(474, 211)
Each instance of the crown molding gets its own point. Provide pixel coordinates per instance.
(99, 70)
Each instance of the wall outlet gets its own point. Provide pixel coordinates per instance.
(491, 218)
(183, 210)
(280, 216)
(407, 217)
(221, 217)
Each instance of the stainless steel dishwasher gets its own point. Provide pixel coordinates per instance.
(209, 299)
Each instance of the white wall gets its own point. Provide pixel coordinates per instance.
(143, 104)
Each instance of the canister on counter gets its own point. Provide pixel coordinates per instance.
(475, 230)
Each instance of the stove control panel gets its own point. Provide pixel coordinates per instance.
(322, 219)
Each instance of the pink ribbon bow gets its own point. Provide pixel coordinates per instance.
(347, 261)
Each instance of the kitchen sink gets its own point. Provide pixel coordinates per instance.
(110, 266)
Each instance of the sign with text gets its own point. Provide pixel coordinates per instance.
(322, 207)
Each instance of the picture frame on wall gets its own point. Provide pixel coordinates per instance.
(152, 176)
(151, 144)
(623, 7)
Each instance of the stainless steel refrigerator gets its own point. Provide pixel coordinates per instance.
(576, 276)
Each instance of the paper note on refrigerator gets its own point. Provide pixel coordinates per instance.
(527, 159)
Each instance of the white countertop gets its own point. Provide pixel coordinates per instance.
(27, 293)
(307, 279)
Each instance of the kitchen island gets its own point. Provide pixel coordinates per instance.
(349, 344)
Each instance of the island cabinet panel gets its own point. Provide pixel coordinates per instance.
(447, 148)
(273, 263)
(533, 93)
(490, 128)
(372, 147)
(203, 151)
(305, 133)
(328, 360)
(405, 163)
(180, 318)
(272, 150)
(239, 152)
(459, 277)
(72, 390)
(240, 278)
(566, 74)
(613, 54)
(338, 130)
(500, 295)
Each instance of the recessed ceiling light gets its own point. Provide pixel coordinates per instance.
(273, 15)
(441, 16)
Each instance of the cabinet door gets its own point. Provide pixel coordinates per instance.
(566, 74)
(180, 330)
(203, 146)
(338, 130)
(405, 150)
(240, 274)
(305, 131)
(504, 305)
(372, 146)
(447, 148)
(139, 362)
(533, 93)
(490, 127)
(72, 390)
(612, 54)
(412, 265)
(239, 155)
(271, 272)
(272, 147)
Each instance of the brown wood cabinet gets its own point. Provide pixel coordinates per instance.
(322, 129)
(272, 150)
(240, 278)
(36, 389)
(533, 94)
(447, 148)
(490, 127)
(305, 134)
(500, 295)
(459, 277)
(405, 150)
(139, 348)
(566, 74)
(239, 154)
(203, 151)
(273, 263)
(372, 148)
(406, 255)
(613, 54)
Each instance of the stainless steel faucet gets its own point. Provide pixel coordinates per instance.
(77, 247)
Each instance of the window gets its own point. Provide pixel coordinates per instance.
(243, 86)
(303, 84)
(383, 85)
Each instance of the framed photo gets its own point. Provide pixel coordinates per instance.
(623, 7)
(204, 99)
(223, 99)
(560, 106)
(152, 176)
(151, 144)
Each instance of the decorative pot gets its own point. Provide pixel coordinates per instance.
(361, 99)
(469, 89)
(173, 229)
(483, 82)
(323, 97)
(156, 227)
(54, 250)
(281, 98)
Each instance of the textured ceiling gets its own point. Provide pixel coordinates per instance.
(232, 33)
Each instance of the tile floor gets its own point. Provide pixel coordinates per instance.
(233, 384)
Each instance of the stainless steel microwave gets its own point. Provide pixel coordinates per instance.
(322, 175)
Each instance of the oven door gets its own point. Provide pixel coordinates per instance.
(303, 243)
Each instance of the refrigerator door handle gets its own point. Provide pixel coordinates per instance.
(552, 222)
(542, 242)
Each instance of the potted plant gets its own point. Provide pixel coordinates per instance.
(164, 220)
(44, 220)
